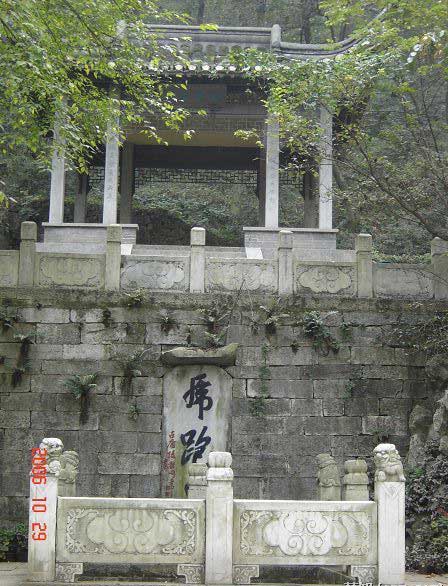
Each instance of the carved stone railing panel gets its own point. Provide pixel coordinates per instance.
(115, 530)
(403, 280)
(260, 276)
(325, 278)
(69, 270)
(9, 268)
(158, 273)
(304, 533)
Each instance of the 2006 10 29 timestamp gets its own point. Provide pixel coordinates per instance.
(38, 530)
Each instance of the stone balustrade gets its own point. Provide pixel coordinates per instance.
(284, 270)
(216, 539)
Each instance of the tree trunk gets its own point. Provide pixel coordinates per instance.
(201, 11)
(261, 12)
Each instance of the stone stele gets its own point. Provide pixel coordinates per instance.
(196, 415)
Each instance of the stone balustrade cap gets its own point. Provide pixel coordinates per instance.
(220, 460)
(355, 466)
(197, 237)
(28, 231)
(363, 243)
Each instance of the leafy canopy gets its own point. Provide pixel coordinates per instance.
(398, 157)
(64, 55)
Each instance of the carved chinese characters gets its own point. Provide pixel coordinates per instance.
(197, 403)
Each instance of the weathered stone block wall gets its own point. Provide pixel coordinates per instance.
(342, 403)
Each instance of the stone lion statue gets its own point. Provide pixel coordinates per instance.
(328, 478)
(389, 467)
(69, 466)
(328, 474)
(54, 447)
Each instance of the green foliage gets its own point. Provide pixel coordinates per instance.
(427, 514)
(23, 362)
(189, 336)
(396, 161)
(216, 340)
(136, 298)
(301, 20)
(428, 335)
(173, 209)
(257, 405)
(25, 343)
(402, 258)
(17, 374)
(80, 387)
(106, 317)
(14, 542)
(295, 346)
(167, 322)
(270, 316)
(348, 390)
(381, 435)
(316, 330)
(132, 368)
(7, 319)
(217, 314)
(70, 53)
(296, 88)
(346, 332)
(134, 411)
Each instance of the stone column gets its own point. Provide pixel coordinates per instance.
(285, 263)
(355, 481)
(363, 247)
(326, 170)
(309, 201)
(197, 260)
(261, 186)
(111, 166)
(276, 37)
(219, 519)
(272, 173)
(80, 210)
(390, 499)
(197, 481)
(113, 257)
(57, 185)
(439, 264)
(28, 235)
(328, 479)
(126, 182)
(43, 509)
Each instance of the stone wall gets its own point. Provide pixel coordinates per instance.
(343, 403)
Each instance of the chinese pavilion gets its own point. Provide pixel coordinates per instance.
(214, 153)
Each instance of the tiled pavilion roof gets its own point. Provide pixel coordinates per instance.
(207, 50)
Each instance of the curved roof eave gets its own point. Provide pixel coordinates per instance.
(218, 42)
